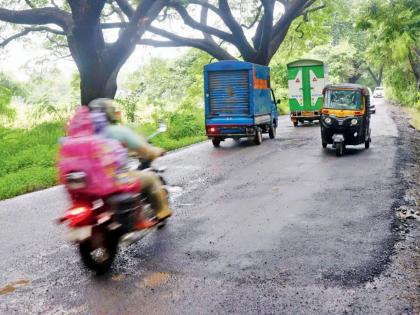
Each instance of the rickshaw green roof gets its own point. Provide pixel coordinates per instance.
(305, 62)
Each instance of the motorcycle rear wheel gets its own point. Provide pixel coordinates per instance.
(99, 254)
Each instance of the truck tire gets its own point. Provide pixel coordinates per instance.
(295, 123)
(216, 142)
(258, 137)
(272, 132)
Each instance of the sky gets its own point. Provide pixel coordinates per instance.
(18, 55)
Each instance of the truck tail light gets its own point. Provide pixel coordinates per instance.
(212, 129)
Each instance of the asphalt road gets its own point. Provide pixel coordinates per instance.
(285, 227)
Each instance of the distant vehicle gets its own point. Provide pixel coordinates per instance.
(239, 102)
(345, 118)
(372, 106)
(379, 92)
(306, 79)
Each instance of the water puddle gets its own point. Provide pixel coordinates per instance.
(11, 287)
(118, 277)
(174, 191)
(157, 278)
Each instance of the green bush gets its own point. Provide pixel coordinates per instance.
(186, 122)
(185, 127)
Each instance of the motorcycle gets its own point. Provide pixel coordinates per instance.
(99, 225)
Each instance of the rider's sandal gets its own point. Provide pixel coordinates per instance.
(163, 215)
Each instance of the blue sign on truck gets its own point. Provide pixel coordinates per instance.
(238, 101)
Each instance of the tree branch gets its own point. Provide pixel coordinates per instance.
(257, 16)
(54, 4)
(188, 20)
(118, 11)
(247, 51)
(125, 7)
(205, 4)
(140, 20)
(293, 10)
(266, 30)
(203, 19)
(30, 4)
(313, 9)
(29, 30)
(37, 16)
(174, 40)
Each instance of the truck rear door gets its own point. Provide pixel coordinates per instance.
(228, 93)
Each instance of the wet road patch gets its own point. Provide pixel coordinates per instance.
(11, 287)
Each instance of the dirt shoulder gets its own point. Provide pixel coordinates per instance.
(405, 265)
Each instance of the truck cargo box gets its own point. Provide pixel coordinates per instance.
(238, 99)
(306, 79)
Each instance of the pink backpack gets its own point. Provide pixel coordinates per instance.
(100, 158)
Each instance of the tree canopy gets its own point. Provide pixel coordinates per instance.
(255, 29)
(84, 27)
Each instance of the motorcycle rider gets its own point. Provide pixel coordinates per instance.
(150, 182)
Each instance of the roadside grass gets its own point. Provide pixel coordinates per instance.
(28, 156)
(414, 114)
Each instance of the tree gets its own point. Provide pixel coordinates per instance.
(269, 20)
(344, 61)
(81, 22)
(395, 32)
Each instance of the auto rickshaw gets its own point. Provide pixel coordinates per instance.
(345, 116)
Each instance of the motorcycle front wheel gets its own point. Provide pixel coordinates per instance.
(99, 251)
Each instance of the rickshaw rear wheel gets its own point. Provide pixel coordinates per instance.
(324, 144)
(367, 143)
(339, 148)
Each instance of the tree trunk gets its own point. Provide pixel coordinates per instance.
(353, 79)
(97, 84)
(414, 58)
(378, 78)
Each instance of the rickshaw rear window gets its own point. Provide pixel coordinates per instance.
(343, 99)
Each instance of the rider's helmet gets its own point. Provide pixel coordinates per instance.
(106, 106)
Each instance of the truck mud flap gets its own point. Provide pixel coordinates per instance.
(262, 119)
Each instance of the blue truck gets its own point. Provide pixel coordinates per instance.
(239, 102)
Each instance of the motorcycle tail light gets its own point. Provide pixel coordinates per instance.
(76, 180)
(77, 211)
(77, 215)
